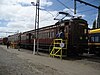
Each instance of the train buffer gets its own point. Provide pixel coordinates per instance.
(59, 48)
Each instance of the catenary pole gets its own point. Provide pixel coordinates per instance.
(74, 6)
(37, 24)
(36, 40)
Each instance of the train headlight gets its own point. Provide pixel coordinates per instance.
(81, 38)
(86, 37)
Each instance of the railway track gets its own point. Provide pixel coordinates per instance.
(91, 57)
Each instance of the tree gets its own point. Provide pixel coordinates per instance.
(94, 25)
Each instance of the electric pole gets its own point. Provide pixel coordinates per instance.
(37, 24)
(98, 19)
(74, 6)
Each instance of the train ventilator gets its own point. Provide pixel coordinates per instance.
(59, 48)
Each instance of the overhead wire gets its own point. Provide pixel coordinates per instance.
(60, 3)
(86, 10)
(68, 8)
(47, 11)
(65, 5)
(73, 11)
(80, 6)
(52, 15)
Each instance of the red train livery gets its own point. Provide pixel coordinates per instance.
(75, 30)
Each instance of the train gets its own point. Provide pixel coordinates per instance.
(1, 40)
(94, 41)
(4, 40)
(75, 30)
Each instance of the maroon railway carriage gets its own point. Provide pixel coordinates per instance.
(5, 39)
(76, 33)
(1, 40)
(45, 36)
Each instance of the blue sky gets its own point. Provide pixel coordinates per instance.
(89, 12)
(19, 15)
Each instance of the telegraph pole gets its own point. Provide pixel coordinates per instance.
(98, 19)
(87, 4)
(37, 24)
(74, 6)
(36, 40)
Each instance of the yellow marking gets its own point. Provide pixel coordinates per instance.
(93, 43)
(57, 50)
(94, 31)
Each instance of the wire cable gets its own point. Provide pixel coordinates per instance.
(80, 6)
(86, 10)
(47, 11)
(65, 5)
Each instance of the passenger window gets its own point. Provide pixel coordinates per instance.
(85, 31)
(92, 39)
(96, 39)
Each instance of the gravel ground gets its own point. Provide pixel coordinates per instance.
(10, 64)
(14, 62)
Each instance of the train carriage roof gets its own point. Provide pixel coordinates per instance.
(94, 31)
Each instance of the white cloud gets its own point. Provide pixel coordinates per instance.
(45, 3)
(22, 18)
(71, 12)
